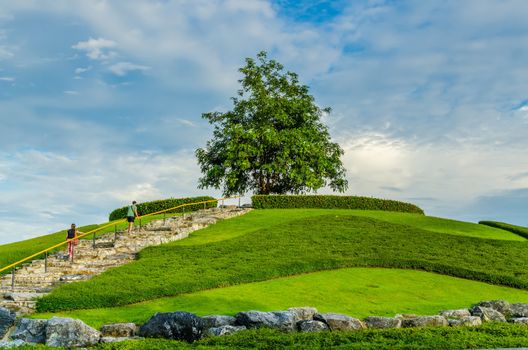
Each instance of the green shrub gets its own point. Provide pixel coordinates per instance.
(519, 230)
(332, 202)
(155, 206)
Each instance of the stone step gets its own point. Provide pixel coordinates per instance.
(110, 250)
(22, 296)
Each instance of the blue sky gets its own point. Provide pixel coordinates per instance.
(101, 101)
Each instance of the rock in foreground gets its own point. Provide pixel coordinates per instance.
(173, 325)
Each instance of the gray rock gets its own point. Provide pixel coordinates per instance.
(518, 310)
(405, 316)
(224, 330)
(69, 333)
(303, 313)
(31, 331)
(456, 313)
(487, 314)
(214, 321)
(116, 339)
(7, 320)
(467, 321)
(425, 321)
(7, 344)
(282, 320)
(338, 322)
(311, 326)
(519, 320)
(501, 306)
(119, 330)
(382, 322)
(173, 325)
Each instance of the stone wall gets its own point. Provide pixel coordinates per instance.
(67, 332)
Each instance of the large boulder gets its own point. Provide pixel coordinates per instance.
(311, 326)
(467, 321)
(282, 320)
(303, 313)
(224, 330)
(30, 330)
(119, 330)
(378, 322)
(69, 333)
(487, 314)
(173, 325)
(7, 320)
(339, 322)
(456, 313)
(518, 310)
(215, 321)
(501, 306)
(425, 321)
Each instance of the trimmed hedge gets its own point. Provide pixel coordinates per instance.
(518, 230)
(331, 202)
(154, 206)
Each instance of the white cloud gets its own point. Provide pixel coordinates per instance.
(81, 70)
(84, 187)
(71, 92)
(9, 79)
(449, 178)
(122, 68)
(96, 48)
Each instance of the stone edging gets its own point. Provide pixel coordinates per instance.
(67, 332)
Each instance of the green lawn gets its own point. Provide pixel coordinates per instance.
(296, 241)
(259, 219)
(359, 292)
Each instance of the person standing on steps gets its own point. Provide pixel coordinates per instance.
(72, 240)
(131, 215)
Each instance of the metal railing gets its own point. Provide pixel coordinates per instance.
(46, 251)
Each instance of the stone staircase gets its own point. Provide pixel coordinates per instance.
(35, 279)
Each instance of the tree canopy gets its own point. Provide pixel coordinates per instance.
(273, 140)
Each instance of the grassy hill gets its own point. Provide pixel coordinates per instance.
(268, 244)
(351, 261)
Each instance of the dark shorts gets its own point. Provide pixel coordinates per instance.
(130, 218)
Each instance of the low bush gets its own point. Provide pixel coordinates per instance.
(332, 202)
(155, 206)
(518, 230)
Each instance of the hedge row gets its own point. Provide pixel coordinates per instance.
(154, 206)
(332, 202)
(518, 230)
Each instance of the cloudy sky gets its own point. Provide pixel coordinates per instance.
(101, 101)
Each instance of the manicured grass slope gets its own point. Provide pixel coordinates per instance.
(359, 292)
(293, 242)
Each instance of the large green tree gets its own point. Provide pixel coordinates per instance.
(273, 140)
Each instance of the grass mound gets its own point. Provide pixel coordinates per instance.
(518, 230)
(359, 292)
(304, 245)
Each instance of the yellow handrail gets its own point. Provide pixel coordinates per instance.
(105, 226)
